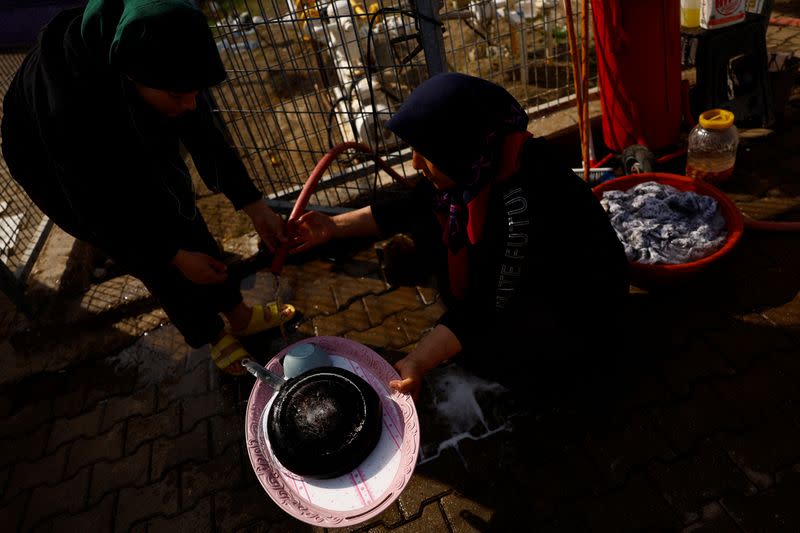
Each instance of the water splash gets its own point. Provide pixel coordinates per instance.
(279, 306)
(455, 399)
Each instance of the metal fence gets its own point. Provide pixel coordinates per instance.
(307, 75)
(22, 226)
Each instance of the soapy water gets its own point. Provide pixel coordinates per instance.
(455, 400)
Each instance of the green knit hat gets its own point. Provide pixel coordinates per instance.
(163, 44)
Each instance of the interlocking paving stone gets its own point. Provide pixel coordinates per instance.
(97, 518)
(70, 403)
(196, 520)
(741, 346)
(130, 471)
(234, 509)
(713, 519)
(637, 506)
(700, 416)
(12, 511)
(760, 453)
(617, 451)
(6, 403)
(159, 498)
(388, 334)
(142, 324)
(46, 471)
(192, 383)
(112, 293)
(107, 446)
(465, 515)
(429, 482)
(25, 447)
(4, 473)
(691, 364)
(760, 392)
(68, 496)
(390, 517)
(381, 306)
(348, 290)
(354, 318)
(690, 482)
(567, 522)
(417, 322)
(774, 509)
(540, 486)
(787, 361)
(431, 519)
(641, 390)
(171, 451)
(141, 402)
(197, 408)
(286, 525)
(109, 382)
(221, 472)
(162, 424)
(68, 429)
(226, 430)
(314, 298)
(29, 417)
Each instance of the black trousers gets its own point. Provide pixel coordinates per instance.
(194, 309)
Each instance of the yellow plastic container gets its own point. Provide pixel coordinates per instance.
(690, 13)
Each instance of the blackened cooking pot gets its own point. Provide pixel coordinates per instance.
(322, 423)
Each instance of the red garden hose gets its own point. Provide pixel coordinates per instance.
(311, 185)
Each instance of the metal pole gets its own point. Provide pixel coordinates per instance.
(430, 28)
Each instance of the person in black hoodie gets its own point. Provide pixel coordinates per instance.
(92, 126)
(528, 265)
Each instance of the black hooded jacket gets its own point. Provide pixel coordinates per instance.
(101, 163)
(549, 272)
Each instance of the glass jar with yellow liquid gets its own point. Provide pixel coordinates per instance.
(711, 151)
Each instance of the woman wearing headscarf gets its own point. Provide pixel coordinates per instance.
(92, 127)
(528, 265)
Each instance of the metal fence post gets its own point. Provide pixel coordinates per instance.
(430, 28)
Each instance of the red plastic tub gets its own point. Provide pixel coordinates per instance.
(655, 275)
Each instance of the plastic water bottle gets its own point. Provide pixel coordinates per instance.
(711, 153)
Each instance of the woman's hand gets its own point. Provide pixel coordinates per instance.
(267, 223)
(310, 230)
(410, 377)
(200, 268)
(432, 350)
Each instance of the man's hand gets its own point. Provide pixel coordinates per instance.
(309, 230)
(200, 268)
(267, 223)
